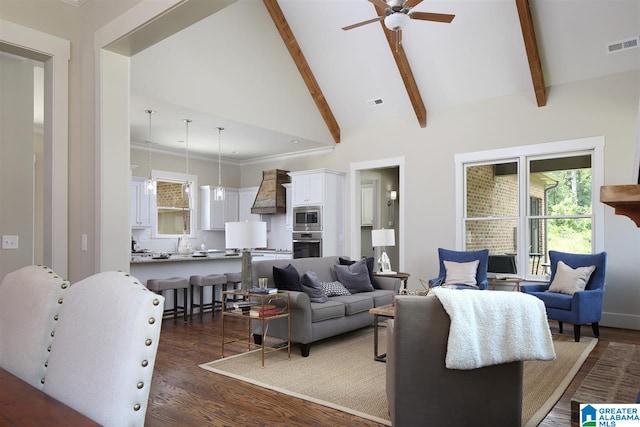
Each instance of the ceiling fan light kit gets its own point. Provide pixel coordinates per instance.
(396, 21)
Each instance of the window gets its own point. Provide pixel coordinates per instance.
(522, 202)
(173, 207)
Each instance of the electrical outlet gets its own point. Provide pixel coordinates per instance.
(10, 242)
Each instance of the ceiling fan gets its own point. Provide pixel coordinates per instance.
(397, 14)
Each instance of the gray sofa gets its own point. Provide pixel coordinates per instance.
(422, 391)
(312, 322)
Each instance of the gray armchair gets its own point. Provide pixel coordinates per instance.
(422, 391)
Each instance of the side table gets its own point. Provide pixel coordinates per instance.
(387, 312)
(398, 275)
(254, 305)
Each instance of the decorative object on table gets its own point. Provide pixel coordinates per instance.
(263, 290)
(383, 238)
(263, 282)
(246, 236)
(218, 191)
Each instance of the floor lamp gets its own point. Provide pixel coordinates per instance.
(245, 236)
(383, 238)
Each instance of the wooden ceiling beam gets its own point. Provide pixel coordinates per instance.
(303, 67)
(533, 56)
(405, 72)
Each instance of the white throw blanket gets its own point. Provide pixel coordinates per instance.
(493, 327)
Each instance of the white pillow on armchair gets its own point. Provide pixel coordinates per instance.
(461, 273)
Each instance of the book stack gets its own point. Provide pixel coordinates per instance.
(263, 291)
(240, 307)
(265, 310)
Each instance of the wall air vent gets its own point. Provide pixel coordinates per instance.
(374, 102)
(619, 46)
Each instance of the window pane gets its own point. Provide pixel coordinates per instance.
(563, 185)
(569, 235)
(174, 213)
(492, 190)
(499, 236)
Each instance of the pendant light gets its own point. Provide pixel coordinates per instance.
(150, 184)
(186, 187)
(218, 192)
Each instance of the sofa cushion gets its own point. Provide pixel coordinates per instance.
(370, 267)
(354, 277)
(354, 304)
(311, 286)
(461, 273)
(381, 297)
(331, 309)
(332, 289)
(287, 279)
(568, 280)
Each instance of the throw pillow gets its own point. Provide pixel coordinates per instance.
(461, 273)
(334, 289)
(311, 286)
(569, 280)
(354, 277)
(287, 279)
(370, 266)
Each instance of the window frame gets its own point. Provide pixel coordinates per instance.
(523, 155)
(175, 177)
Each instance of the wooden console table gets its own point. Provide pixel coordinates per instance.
(24, 405)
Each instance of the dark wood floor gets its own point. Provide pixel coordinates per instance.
(182, 394)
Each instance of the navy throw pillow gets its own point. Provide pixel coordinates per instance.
(287, 279)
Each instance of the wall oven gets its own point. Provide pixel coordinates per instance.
(307, 218)
(307, 245)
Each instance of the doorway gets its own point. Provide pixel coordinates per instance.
(384, 176)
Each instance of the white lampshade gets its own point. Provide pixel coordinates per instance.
(383, 237)
(396, 21)
(245, 235)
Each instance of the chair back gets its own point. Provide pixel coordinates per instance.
(466, 256)
(597, 279)
(104, 350)
(30, 300)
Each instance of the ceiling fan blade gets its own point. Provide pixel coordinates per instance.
(412, 3)
(436, 17)
(360, 24)
(381, 4)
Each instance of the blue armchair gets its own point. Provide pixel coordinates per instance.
(464, 256)
(581, 308)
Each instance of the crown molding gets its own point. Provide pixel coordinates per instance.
(76, 3)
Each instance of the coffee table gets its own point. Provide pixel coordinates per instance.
(386, 312)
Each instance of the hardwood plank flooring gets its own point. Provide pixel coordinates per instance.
(182, 394)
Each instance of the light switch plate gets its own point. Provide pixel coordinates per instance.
(9, 242)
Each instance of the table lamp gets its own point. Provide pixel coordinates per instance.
(382, 238)
(245, 236)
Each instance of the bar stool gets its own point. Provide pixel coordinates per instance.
(173, 283)
(233, 279)
(201, 282)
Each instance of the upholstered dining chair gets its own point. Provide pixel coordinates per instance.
(104, 349)
(562, 297)
(457, 269)
(30, 300)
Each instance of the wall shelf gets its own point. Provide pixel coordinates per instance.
(625, 199)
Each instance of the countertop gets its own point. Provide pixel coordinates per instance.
(147, 258)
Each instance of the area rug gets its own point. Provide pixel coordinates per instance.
(321, 378)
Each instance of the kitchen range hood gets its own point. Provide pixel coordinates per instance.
(272, 196)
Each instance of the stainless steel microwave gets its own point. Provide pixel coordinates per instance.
(307, 218)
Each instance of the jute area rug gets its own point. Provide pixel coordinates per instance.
(340, 373)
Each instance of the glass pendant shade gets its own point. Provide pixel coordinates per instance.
(218, 192)
(150, 186)
(396, 21)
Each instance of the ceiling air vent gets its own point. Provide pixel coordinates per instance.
(621, 45)
(374, 102)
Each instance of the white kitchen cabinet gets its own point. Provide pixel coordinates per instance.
(140, 204)
(246, 197)
(366, 205)
(215, 213)
(307, 189)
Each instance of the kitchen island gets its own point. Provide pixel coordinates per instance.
(145, 266)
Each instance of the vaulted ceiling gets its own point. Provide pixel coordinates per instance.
(282, 76)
